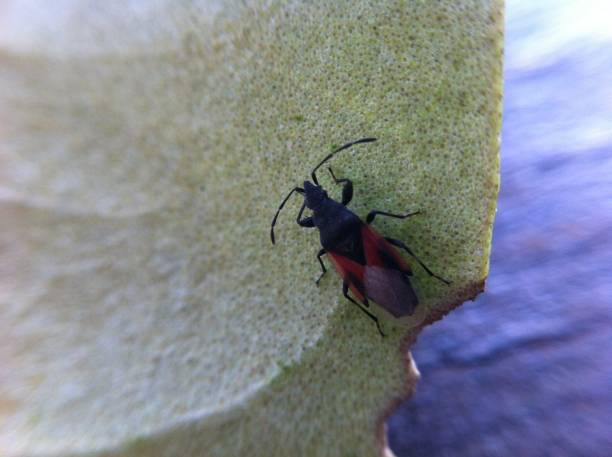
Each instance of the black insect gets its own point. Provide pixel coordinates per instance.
(370, 265)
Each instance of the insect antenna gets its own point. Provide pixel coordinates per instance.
(295, 189)
(333, 153)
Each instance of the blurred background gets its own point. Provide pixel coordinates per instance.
(525, 369)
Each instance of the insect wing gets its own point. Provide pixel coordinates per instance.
(391, 289)
(385, 275)
(351, 272)
(379, 253)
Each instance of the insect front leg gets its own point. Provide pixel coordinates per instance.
(372, 214)
(345, 289)
(347, 189)
(401, 245)
(322, 252)
(304, 222)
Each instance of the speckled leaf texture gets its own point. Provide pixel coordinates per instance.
(144, 147)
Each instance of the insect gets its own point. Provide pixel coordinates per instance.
(369, 264)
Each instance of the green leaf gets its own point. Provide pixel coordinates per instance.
(144, 150)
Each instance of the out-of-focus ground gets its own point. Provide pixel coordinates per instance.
(526, 369)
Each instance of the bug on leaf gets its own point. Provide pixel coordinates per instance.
(369, 264)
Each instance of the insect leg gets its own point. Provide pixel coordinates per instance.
(372, 214)
(305, 222)
(370, 315)
(322, 252)
(347, 189)
(401, 245)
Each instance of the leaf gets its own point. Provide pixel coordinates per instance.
(144, 149)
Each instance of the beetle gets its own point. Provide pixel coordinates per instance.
(369, 264)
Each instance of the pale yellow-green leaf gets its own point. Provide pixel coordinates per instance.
(144, 147)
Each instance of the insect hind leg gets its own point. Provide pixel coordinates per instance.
(369, 314)
(321, 253)
(401, 245)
